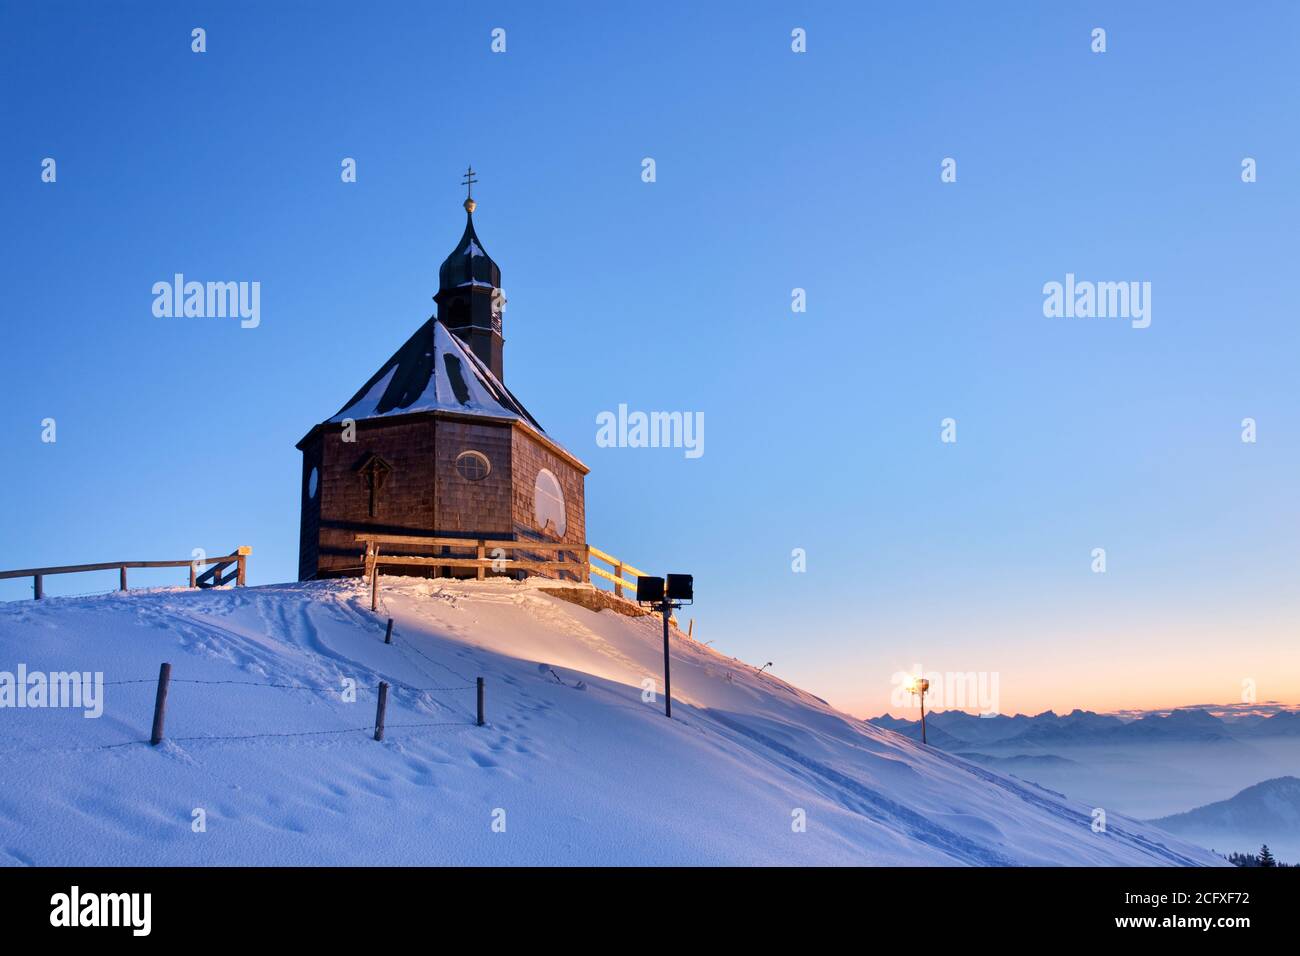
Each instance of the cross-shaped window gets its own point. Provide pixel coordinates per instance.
(374, 472)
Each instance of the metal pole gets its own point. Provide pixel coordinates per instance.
(668, 678)
(480, 702)
(922, 715)
(388, 635)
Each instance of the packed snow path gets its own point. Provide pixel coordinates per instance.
(573, 767)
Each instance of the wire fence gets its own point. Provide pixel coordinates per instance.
(349, 687)
(320, 688)
(395, 631)
(378, 728)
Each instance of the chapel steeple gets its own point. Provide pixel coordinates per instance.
(435, 447)
(470, 301)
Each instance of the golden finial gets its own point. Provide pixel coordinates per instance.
(468, 182)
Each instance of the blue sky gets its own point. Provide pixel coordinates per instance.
(775, 170)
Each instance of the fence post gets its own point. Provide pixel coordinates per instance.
(160, 704)
(122, 577)
(242, 567)
(193, 582)
(618, 573)
(379, 710)
(388, 635)
(374, 582)
(40, 586)
(482, 556)
(480, 701)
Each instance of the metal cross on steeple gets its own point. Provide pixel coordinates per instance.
(468, 182)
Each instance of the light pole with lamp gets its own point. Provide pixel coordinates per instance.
(920, 685)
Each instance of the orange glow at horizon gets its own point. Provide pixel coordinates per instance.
(1153, 677)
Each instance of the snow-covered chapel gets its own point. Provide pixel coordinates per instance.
(434, 444)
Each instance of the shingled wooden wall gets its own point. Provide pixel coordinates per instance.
(481, 508)
(424, 494)
(530, 457)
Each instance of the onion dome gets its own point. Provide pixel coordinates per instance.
(468, 265)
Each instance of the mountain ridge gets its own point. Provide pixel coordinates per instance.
(1080, 727)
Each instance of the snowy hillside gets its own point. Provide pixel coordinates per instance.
(584, 770)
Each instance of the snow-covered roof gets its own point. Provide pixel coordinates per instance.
(435, 371)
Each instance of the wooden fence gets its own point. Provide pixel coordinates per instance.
(218, 573)
(620, 567)
(487, 557)
(483, 559)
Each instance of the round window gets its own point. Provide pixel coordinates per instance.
(548, 503)
(312, 481)
(473, 465)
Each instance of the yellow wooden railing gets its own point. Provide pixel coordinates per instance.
(620, 567)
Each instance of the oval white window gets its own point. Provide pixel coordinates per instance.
(548, 503)
(312, 481)
(473, 465)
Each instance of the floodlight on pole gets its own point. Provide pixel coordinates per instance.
(664, 594)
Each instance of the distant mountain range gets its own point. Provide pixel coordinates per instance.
(955, 730)
(1266, 812)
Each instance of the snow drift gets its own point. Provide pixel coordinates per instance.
(266, 763)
